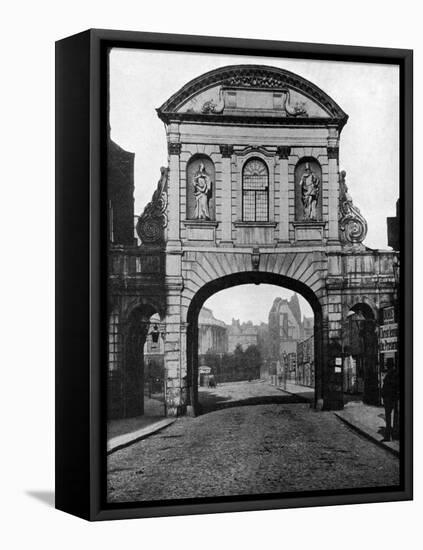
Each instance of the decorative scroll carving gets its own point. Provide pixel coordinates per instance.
(283, 151)
(298, 109)
(352, 225)
(226, 150)
(211, 106)
(152, 222)
(174, 148)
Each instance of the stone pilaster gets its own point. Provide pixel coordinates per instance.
(283, 154)
(173, 231)
(175, 352)
(333, 196)
(226, 223)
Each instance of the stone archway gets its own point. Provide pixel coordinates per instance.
(236, 279)
(230, 115)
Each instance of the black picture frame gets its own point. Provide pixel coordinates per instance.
(81, 113)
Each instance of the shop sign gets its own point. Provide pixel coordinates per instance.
(388, 315)
(388, 340)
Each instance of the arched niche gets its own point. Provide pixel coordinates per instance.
(194, 169)
(308, 189)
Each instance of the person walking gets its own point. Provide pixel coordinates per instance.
(390, 398)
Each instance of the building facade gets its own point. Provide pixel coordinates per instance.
(242, 334)
(253, 192)
(212, 333)
(304, 372)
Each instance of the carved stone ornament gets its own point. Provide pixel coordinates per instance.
(333, 153)
(352, 225)
(174, 148)
(152, 222)
(255, 259)
(215, 107)
(226, 150)
(298, 109)
(283, 151)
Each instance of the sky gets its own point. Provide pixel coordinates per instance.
(251, 303)
(142, 80)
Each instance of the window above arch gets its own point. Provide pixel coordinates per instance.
(255, 191)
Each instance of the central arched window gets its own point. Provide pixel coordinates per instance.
(255, 191)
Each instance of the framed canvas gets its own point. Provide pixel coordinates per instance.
(234, 274)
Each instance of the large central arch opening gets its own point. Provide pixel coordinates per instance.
(253, 337)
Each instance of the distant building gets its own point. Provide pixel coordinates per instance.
(243, 334)
(305, 362)
(212, 333)
(307, 327)
(212, 338)
(286, 327)
(286, 331)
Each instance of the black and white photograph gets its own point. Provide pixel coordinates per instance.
(253, 277)
(211, 302)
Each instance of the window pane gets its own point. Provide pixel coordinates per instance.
(255, 187)
(249, 206)
(261, 206)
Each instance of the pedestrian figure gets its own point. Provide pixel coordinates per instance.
(390, 395)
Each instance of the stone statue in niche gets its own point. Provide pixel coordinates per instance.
(202, 191)
(310, 191)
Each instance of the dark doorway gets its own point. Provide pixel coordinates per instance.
(361, 377)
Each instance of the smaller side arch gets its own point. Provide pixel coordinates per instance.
(134, 331)
(362, 304)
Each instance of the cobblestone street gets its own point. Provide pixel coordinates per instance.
(231, 394)
(265, 448)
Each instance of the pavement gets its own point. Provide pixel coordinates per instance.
(126, 431)
(367, 420)
(144, 428)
